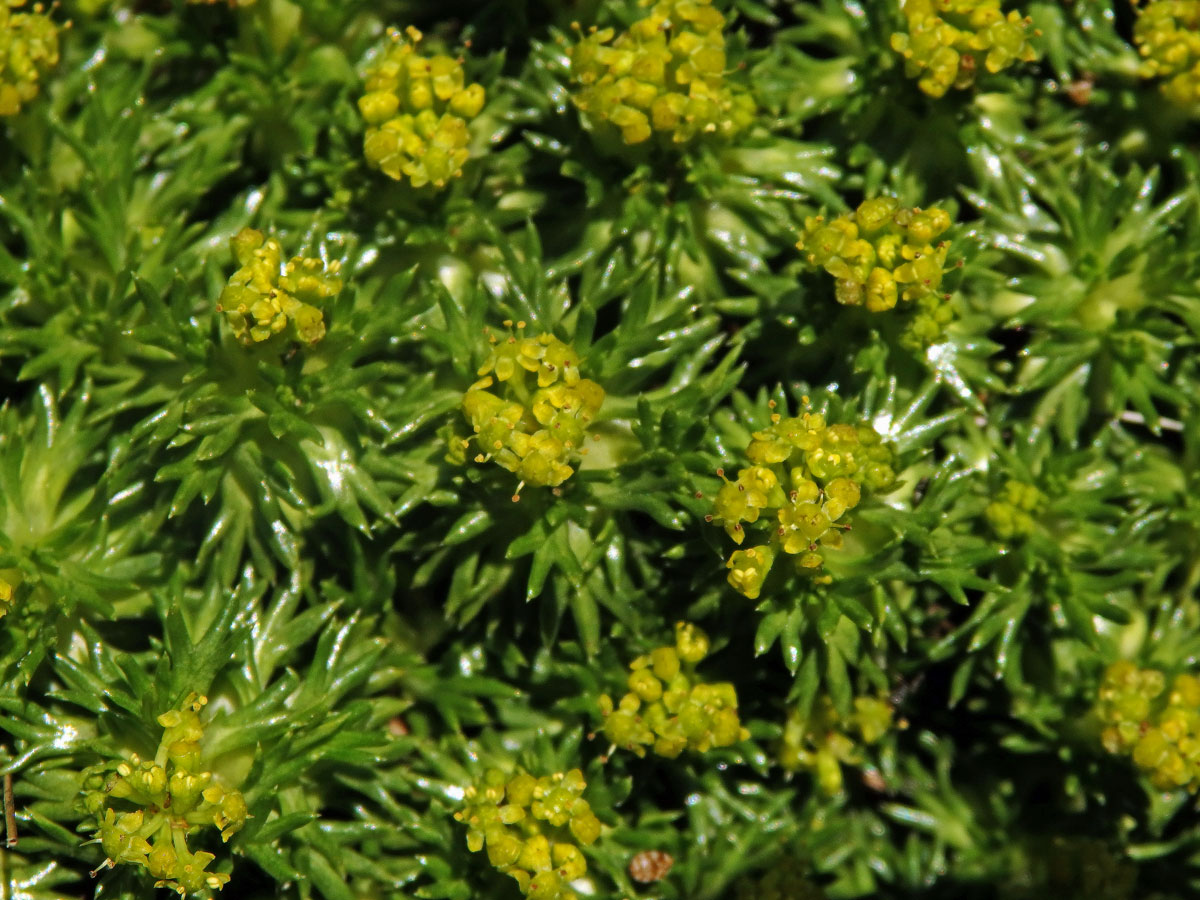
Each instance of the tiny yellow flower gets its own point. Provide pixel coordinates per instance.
(749, 570)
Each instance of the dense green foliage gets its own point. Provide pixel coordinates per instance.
(273, 505)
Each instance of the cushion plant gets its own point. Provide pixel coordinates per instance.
(610, 448)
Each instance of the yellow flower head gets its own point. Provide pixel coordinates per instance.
(531, 408)
(666, 75)
(948, 42)
(807, 475)
(1159, 729)
(417, 110)
(28, 50)
(144, 810)
(266, 297)
(1167, 35)
(532, 829)
(668, 709)
(882, 254)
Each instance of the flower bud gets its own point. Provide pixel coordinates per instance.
(585, 826)
(665, 662)
(645, 685)
(670, 746)
(186, 787)
(162, 861)
(535, 854)
(1010, 514)
(1151, 750)
(502, 847)
(1185, 692)
(727, 729)
(691, 643)
(873, 215)
(568, 861)
(520, 790)
(694, 722)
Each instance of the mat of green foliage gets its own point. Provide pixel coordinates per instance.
(279, 568)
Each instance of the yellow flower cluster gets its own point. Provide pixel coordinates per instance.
(532, 828)
(161, 802)
(668, 709)
(947, 41)
(1011, 514)
(28, 50)
(1167, 35)
(6, 595)
(805, 476)
(1162, 734)
(417, 109)
(666, 74)
(264, 297)
(823, 742)
(537, 424)
(879, 254)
